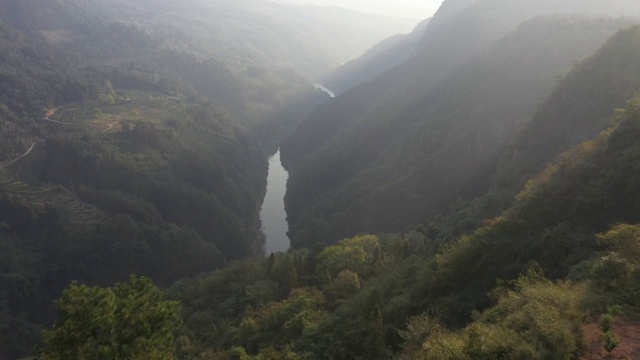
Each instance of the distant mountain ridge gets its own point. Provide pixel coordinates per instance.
(311, 40)
(391, 52)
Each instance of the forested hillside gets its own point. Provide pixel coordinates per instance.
(132, 179)
(399, 150)
(476, 200)
(132, 141)
(34, 75)
(525, 285)
(603, 81)
(310, 40)
(574, 111)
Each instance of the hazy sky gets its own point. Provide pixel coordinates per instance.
(417, 9)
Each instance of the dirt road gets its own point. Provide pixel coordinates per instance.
(23, 155)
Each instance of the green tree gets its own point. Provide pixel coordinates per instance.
(625, 239)
(128, 321)
(610, 341)
(357, 254)
(344, 285)
(616, 270)
(375, 346)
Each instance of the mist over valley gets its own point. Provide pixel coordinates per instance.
(319, 179)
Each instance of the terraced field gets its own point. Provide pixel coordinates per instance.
(55, 197)
(108, 116)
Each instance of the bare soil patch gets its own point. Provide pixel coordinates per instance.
(629, 348)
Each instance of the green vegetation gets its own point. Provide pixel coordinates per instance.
(150, 166)
(522, 286)
(357, 164)
(610, 340)
(539, 320)
(145, 157)
(128, 321)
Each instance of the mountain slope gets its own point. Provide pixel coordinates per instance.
(391, 52)
(525, 283)
(96, 190)
(34, 76)
(576, 109)
(310, 40)
(122, 154)
(145, 173)
(603, 81)
(554, 220)
(360, 165)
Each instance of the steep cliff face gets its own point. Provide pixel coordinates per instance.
(449, 9)
(400, 149)
(577, 109)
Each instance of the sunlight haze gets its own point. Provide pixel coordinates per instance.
(416, 9)
(319, 179)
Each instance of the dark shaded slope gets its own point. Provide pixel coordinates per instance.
(377, 60)
(397, 154)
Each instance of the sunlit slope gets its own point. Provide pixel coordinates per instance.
(553, 221)
(578, 107)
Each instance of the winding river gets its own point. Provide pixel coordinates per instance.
(321, 87)
(272, 214)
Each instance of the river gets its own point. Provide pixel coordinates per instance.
(321, 87)
(272, 214)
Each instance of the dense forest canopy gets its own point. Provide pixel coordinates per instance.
(470, 193)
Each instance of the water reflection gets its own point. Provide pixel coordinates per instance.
(272, 214)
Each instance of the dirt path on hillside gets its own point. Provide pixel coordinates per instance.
(53, 111)
(59, 122)
(23, 155)
(47, 117)
(109, 126)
